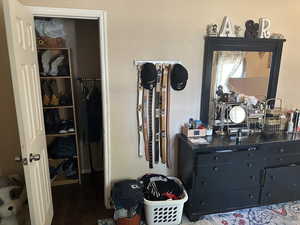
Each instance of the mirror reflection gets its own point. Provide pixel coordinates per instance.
(239, 85)
(240, 72)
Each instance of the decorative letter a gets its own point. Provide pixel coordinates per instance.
(226, 28)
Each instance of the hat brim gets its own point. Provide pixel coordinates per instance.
(178, 86)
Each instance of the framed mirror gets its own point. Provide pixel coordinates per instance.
(238, 65)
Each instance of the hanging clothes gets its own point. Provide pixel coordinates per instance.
(90, 121)
(83, 124)
(90, 112)
(94, 111)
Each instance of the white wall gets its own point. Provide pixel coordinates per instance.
(174, 30)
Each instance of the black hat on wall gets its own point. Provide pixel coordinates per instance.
(148, 75)
(179, 77)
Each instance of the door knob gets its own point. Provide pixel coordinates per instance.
(249, 165)
(34, 157)
(215, 169)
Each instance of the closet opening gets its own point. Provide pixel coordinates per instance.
(70, 75)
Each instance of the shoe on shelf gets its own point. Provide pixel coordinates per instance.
(70, 126)
(54, 100)
(46, 100)
(53, 87)
(66, 126)
(65, 100)
(55, 64)
(62, 127)
(52, 119)
(46, 92)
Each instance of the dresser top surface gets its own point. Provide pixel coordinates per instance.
(225, 141)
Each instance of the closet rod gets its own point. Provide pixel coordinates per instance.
(140, 62)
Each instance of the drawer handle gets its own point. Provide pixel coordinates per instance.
(268, 195)
(203, 203)
(249, 165)
(252, 149)
(251, 196)
(203, 183)
(272, 177)
(216, 158)
(224, 151)
(280, 159)
(281, 150)
(215, 169)
(252, 177)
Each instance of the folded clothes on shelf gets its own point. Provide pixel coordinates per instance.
(62, 147)
(67, 168)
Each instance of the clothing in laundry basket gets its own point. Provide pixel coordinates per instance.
(159, 187)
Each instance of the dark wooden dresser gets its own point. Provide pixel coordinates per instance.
(223, 176)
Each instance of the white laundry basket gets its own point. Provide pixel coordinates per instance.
(165, 212)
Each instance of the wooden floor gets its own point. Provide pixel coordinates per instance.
(76, 204)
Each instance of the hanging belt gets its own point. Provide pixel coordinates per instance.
(145, 122)
(168, 118)
(150, 124)
(140, 115)
(153, 118)
(157, 113)
(164, 105)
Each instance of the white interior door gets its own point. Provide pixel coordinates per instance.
(27, 93)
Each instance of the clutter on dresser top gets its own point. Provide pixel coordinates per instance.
(195, 128)
(238, 120)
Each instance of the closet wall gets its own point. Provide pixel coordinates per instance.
(88, 66)
(87, 47)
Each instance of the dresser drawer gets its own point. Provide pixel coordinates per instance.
(281, 184)
(215, 201)
(224, 156)
(285, 148)
(227, 176)
(282, 160)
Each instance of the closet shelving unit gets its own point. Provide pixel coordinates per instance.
(68, 78)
